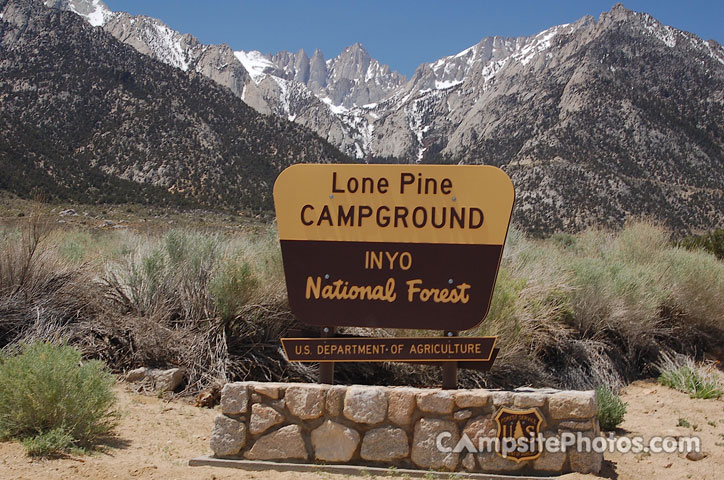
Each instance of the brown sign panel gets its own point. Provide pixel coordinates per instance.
(392, 246)
(423, 349)
(481, 366)
(518, 433)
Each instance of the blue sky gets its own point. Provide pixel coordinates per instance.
(400, 33)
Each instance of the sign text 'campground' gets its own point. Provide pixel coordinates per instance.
(392, 246)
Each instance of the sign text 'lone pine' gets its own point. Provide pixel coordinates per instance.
(392, 246)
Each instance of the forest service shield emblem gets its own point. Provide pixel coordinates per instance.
(518, 433)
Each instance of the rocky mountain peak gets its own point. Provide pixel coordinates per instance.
(301, 67)
(619, 12)
(95, 12)
(356, 79)
(593, 120)
(317, 71)
(355, 54)
(353, 63)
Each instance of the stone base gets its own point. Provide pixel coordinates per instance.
(396, 427)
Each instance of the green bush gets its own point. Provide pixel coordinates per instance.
(48, 443)
(682, 373)
(232, 288)
(712, 242)
(74, 246)
(611, 409)
(54, 401)
(169, 276)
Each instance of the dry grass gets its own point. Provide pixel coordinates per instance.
(572, 311)
(596, 309)
(39, 294)
(699, 380)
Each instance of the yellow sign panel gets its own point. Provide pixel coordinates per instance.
(447, 204)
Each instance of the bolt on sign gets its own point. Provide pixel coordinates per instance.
(392, 246)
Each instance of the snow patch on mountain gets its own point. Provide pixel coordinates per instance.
(418, 117)
(357, 124)
(538, 44)
(715, 50)
(662, 32)
(284, 97)
(447, 84)
(336, 109)
(490, 69)
(167, 41)
(95, 12)
(717, 54)
(255, 63)
(99, 15)
(465, 52)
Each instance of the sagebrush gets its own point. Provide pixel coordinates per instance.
(53, 400)
(571, 311)
(611, 409)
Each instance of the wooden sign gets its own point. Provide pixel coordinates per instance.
(392, 246)
(473, 349)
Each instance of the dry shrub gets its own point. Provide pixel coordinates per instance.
(529, 308)
(596, 308)
(618, 280)
(262, 253)
(574, 311)
(40, 295)
(184, 299)
(167, 277)
(696, 279)
(213, 305)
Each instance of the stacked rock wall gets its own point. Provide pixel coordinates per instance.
(394, 426)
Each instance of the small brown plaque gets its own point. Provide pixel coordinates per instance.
(520, 429)
(424, 349)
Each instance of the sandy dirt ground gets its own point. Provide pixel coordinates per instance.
(657, 410)
(156, 438)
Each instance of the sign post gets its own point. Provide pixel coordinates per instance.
(450, 370)
(393, 246)
(326, 369)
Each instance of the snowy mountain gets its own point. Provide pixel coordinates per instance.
(94, 11)
(594, 120)
(268, 84)
(88, 118)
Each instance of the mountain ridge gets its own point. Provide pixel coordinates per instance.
(84, 113)
(595, 121)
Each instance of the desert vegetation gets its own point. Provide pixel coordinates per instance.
(53, 401)
(577, 311)
(682, 373)
(611, 409)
